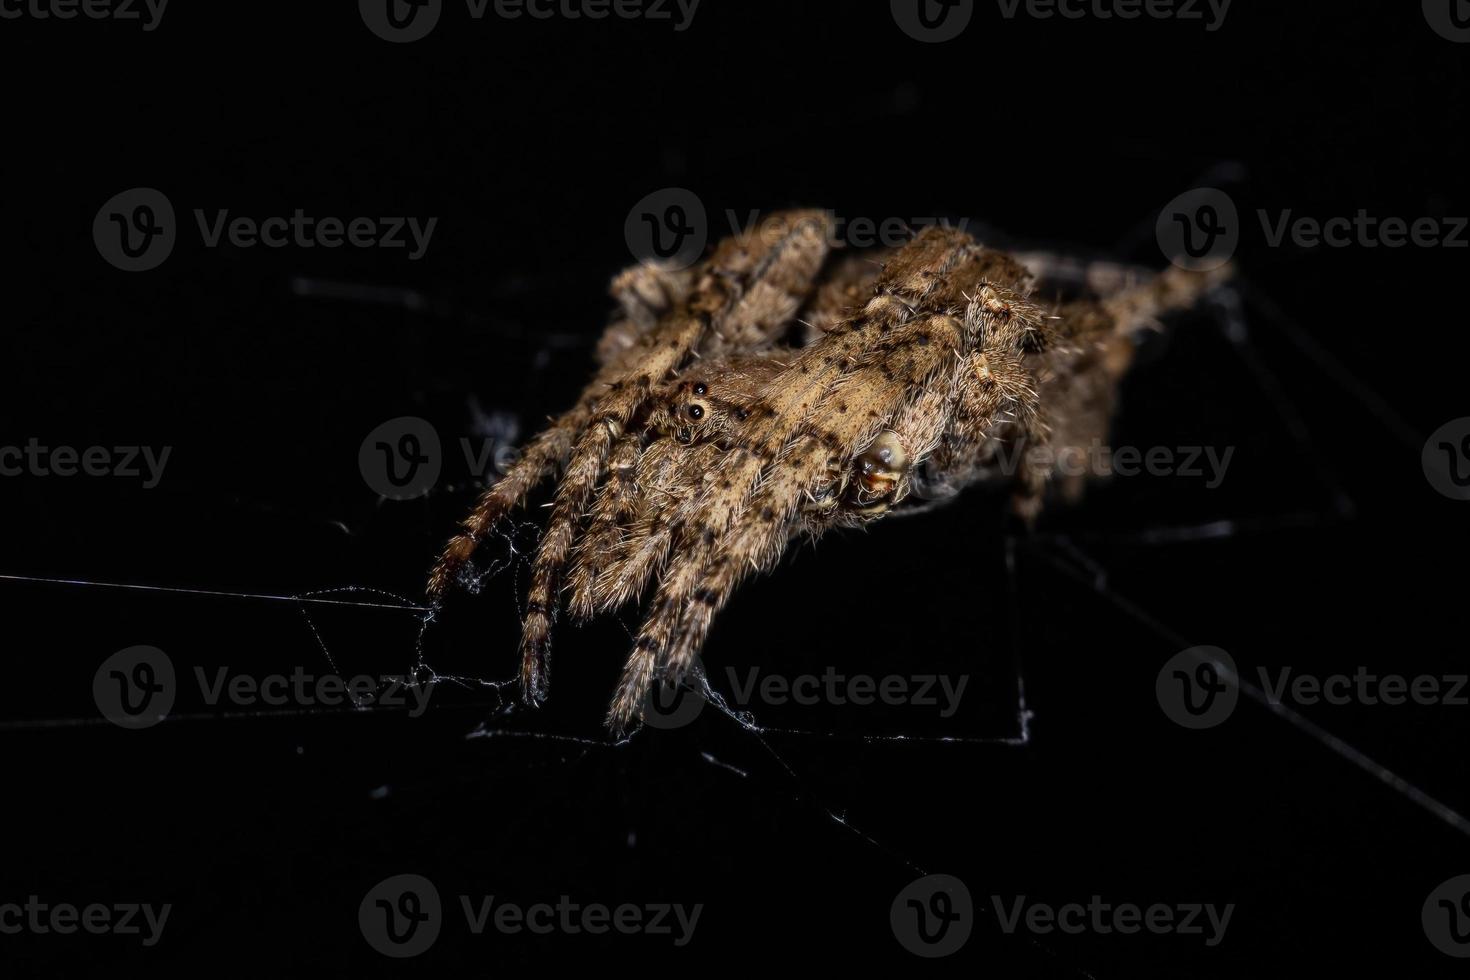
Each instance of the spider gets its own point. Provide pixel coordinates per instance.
(777, 390)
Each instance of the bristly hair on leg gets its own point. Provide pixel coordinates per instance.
(775, 391)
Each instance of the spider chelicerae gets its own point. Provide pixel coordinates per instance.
(782, 388)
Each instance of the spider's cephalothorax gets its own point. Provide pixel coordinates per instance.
(708, 439)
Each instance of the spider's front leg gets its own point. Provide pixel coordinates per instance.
(829, 405)
(746, 293)
(644, 294)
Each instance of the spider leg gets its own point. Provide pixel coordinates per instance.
(740, 523)
(901, 363)
(739, 532)
(644, 294)
(752, 282)
(629, 467)
(843, 290)
(917, 274)
(704, 404)
(1075, 376)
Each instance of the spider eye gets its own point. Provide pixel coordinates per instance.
(700, 388)
(695, 412)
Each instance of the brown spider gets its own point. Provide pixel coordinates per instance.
(775, 390)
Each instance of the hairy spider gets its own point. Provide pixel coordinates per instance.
(775, 390)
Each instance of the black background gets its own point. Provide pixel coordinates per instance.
(530, 141)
